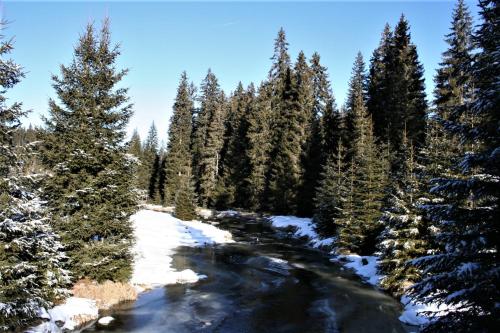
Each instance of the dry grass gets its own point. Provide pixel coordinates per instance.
(105, 294)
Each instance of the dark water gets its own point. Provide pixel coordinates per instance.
(262, 283)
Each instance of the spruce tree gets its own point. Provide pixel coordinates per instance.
(235, 163)
(463, 273)
(259, 136)
(178, 157)
(405, 230)
(309, 136)
(366, 179)
(330, 193)
(32, 261)
(285, 167)
(148, 171)
(90, 191)
(209, 139)
(135, 145)
(185, 199)
(396, 89)
(356, 101)
(378, 85)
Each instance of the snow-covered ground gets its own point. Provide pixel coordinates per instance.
(157, 234)
(304, 227)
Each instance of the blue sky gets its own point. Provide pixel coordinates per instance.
(161, 39)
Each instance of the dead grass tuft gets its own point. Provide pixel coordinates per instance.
(105, 294)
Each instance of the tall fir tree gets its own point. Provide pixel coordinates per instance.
(148, 171)
(178, 157)
(396, 89)
(377, 98)
(209, 139)
(32, 261)
(366, 180)
(406, 231)
(356, 101)
(259, 136)
(329, 197)
(185, 198)
(464, 271)
(135, 144)
(90, 191)
(235, 163)
(285, 168)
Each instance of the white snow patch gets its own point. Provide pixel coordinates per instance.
(227, 213)
(157, 235)
(303, 227)
(355, 262)
(105, 320)
(204, 213)
(74, 312)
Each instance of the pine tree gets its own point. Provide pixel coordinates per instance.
(209, 139)
(366, 179)
(405, 230)
(464, 271)
(377, 85)
(235, 163)
(185, 199)
(285, 168)
(32, 262)
(90, 192)
(356, 101)
(178, 157)
(329, 194)
(309, 136)
(148, 171)
(259, 138)
(396, 89)
(135, 145)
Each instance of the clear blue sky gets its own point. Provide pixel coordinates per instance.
(161, 39)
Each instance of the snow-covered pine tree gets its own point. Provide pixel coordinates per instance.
(32, 262)
(90, 191)
(178, 157)
(405, 231)
(464, 273)
(209, 139)
(329, 194)
(259, 138)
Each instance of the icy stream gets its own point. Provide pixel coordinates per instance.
(261, 283)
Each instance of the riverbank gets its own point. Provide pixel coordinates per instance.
(364, 266)
(157, 234)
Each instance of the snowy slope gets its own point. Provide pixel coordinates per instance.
(157, 235)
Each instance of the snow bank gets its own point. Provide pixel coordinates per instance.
(105, 320)
(303, 227)
(355, 262)
(74, 312)
(157, 235)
